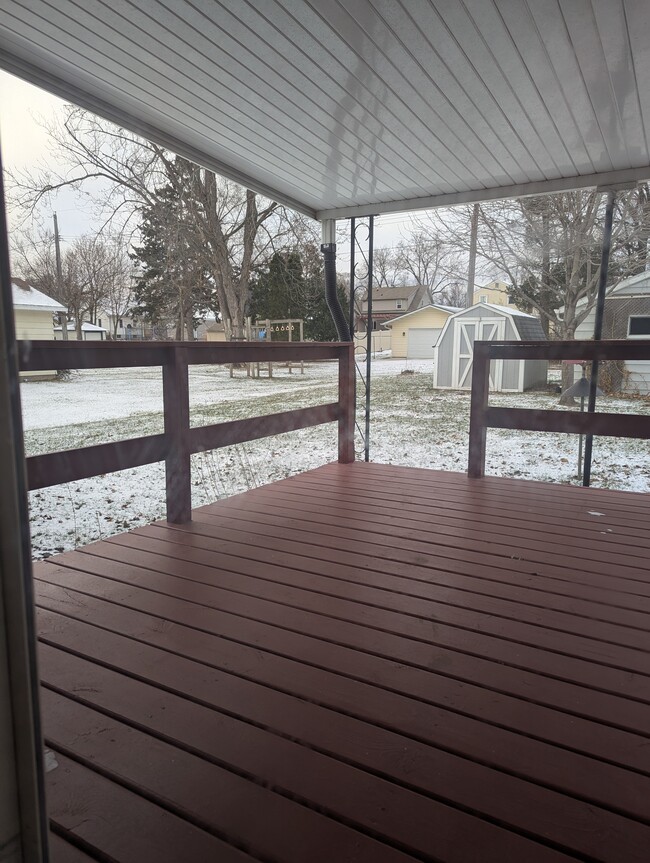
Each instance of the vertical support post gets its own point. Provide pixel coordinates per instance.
(598, 328)
(371, 238)
(478, 410)
(23, 820)
(176, 404)
(353, 243)
(347, 403)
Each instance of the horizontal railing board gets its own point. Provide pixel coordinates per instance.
(47, 354)
(621, 349)
(237, 431)
(70, 465)
(571, 422)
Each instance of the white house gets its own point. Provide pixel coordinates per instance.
(34, 318)
(626, 316)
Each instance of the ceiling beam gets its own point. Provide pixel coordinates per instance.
(627, 178)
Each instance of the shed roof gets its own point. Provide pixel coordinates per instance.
(350, 109)
(26, 297)
(527, 326)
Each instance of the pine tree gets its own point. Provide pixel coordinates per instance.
(174, 285)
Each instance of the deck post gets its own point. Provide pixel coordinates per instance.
(478, 410)
(176, 403)
(347, 403)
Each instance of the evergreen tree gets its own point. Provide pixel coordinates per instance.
(174, 286)
(278, 292)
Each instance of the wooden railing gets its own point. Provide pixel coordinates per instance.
(524, 419)
(178, 441)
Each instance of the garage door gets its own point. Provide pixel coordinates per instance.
(420, 343)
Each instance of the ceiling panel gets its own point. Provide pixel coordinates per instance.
(342, 108)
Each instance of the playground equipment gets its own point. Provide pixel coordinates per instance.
(264, 330)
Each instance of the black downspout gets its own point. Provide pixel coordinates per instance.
(598, 327)
(331, 296)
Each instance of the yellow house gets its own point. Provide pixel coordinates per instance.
(33, 318)
(415, 334)
(494, 293)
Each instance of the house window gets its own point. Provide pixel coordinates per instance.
(638, 327)
(120, 324)
(374, 325)
(99, 322)
(398, 304)
(484, 298)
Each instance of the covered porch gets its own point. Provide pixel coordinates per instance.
(364, 662)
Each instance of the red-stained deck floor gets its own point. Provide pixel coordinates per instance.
(362, 663)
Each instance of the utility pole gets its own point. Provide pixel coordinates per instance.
(472, 256)
(63, 317)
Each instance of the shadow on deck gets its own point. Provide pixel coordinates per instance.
(360, 663)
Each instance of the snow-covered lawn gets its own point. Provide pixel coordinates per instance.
(412, 424)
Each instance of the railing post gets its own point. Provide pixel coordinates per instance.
(176, 404)
(478, 409)
(347, 403)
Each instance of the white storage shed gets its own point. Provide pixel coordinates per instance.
(485, 322)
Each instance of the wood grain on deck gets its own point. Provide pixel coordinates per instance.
(360, 663)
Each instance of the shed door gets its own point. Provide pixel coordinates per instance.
(466, 332)
(420, 343)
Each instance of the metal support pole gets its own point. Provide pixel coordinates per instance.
(371, 232)
(598, 327)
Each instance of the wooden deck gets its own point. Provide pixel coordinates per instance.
(362, 663)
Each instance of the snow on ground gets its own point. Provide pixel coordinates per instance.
(412, 424)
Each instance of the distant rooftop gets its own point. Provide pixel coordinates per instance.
(26, 296)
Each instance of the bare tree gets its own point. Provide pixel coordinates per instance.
(232, 230)
(429, 260)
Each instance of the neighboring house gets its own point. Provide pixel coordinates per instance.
(211, 331)
(122, 327)
(486, 322)
(90, 332)
(627, 316)
(415, 334)
(34, 318)
(389, 303)
(494, 293)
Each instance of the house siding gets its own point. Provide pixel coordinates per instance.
(630, 377)
(423, 319)
(34, 325)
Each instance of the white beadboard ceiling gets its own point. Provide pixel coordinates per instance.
(359, 106)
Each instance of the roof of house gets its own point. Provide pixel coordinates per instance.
(450, 310)
(215, 327)
(85, 327)
(403, 292)
(25, 296)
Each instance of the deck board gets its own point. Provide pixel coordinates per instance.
(370, 655)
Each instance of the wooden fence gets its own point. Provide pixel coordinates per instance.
(178, 441)
(484, 417)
